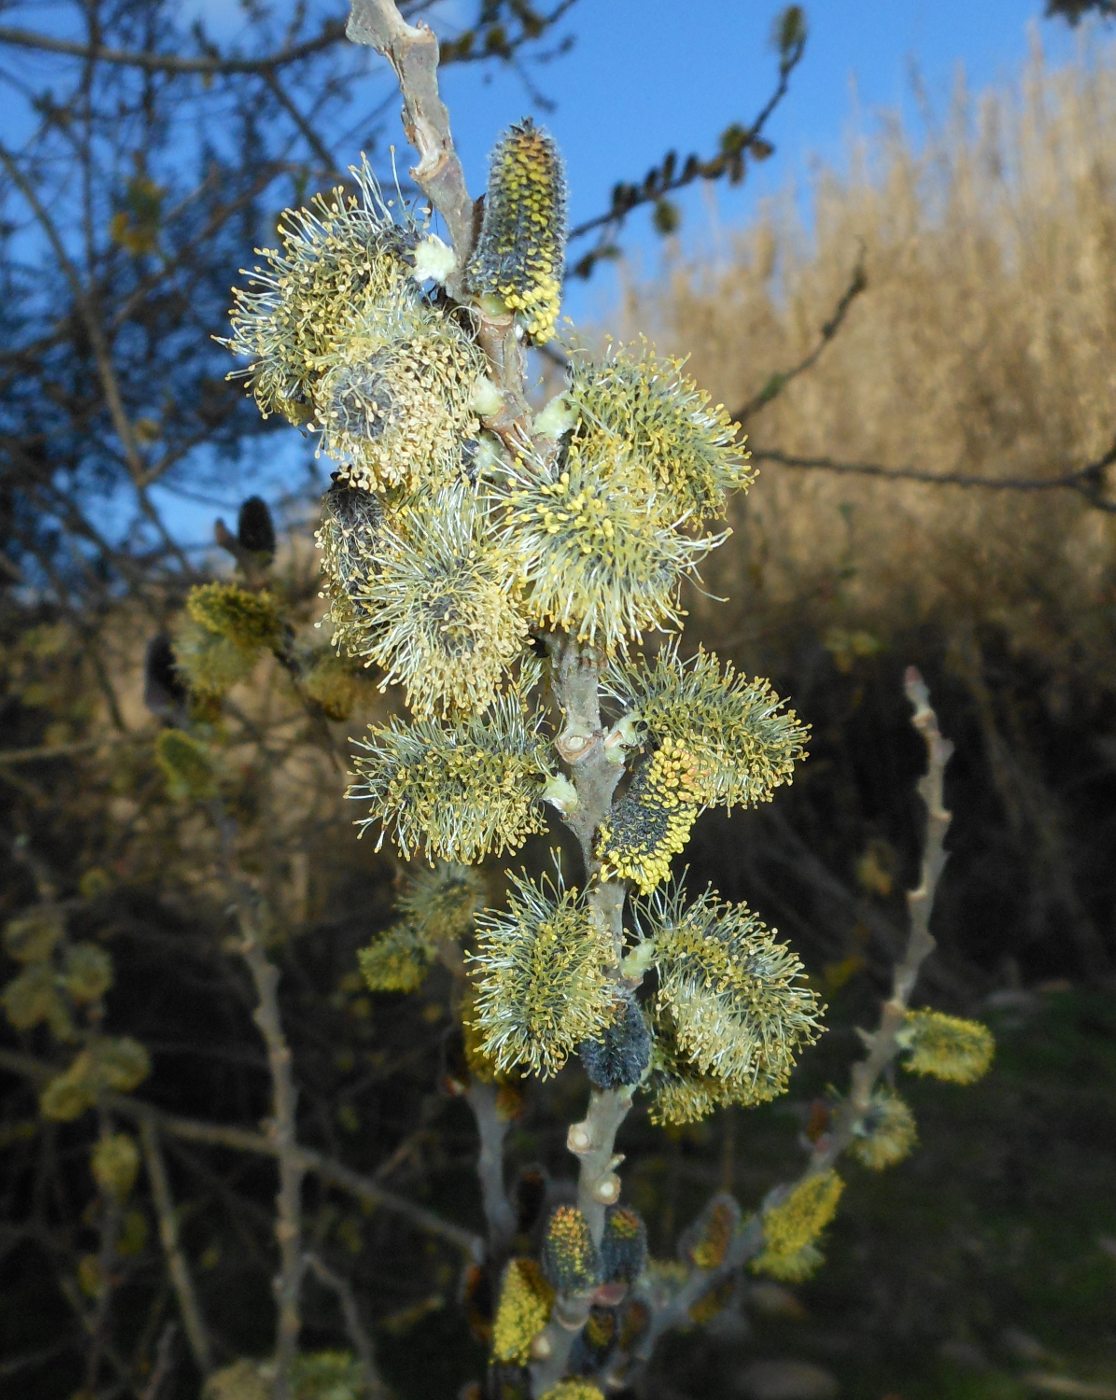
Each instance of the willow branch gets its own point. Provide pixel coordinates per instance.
(179, 1270)
(882, 1044)
(282, 1129)
(1088, 481)
(779, 381)
(492, 1130)
(374, 1382)
(412, 50)
(576, 690)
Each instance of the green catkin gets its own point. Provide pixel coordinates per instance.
(520, 252)
(886, 1134)
(737, 999)
(743, 741)
(187, 766)
(249, 620)
(637, 403)
(115, 1164)
(397, 960)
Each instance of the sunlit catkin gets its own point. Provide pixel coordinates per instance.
(338, 259)
(737, 999)
(519, 255)
(542, 981)
(447, 625)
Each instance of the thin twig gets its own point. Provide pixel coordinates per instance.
(177, 1267)
(330, 34)
(374, 1382)
(164, 1361)
(1088, 481)
(282, 1129)
(779, 381)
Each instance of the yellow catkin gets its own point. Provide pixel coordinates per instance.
(652, 822)
(946, 1047)
(521, 248)
(524, 1308)
(798, 1220)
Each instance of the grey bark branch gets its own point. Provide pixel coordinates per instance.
(179, 1270)
(412, 50)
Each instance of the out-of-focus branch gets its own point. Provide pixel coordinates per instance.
(331, 33)
(177, 1267)
(94, 328)
(326, 1169)
(883, 1046)
(309, 135)
(282, 1128)
(1088, 481)
(737, 143)
(374, 1382)
(779, 380)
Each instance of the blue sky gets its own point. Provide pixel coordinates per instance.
(646, 75)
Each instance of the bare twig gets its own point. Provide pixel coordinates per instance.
(1088, 481)
(412, 50)
(177, 1267)
(779, 381)
(282, 1129)
(331, 33)
(663, 180)
(234, 1139)
(375, 1384)
(164, 1361)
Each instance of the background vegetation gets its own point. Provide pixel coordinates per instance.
(956, 305)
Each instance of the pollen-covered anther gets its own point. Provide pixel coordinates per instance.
(596, 559)
(518, 260)
(651, 823)
(394, 399)
(792, 1226)
(541, 977)
(744, 741)
(736, 1000)
(459, 791)
(570, 1259)
(525, 1303)
(338, 260)
(447, 624)
(687, 446)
